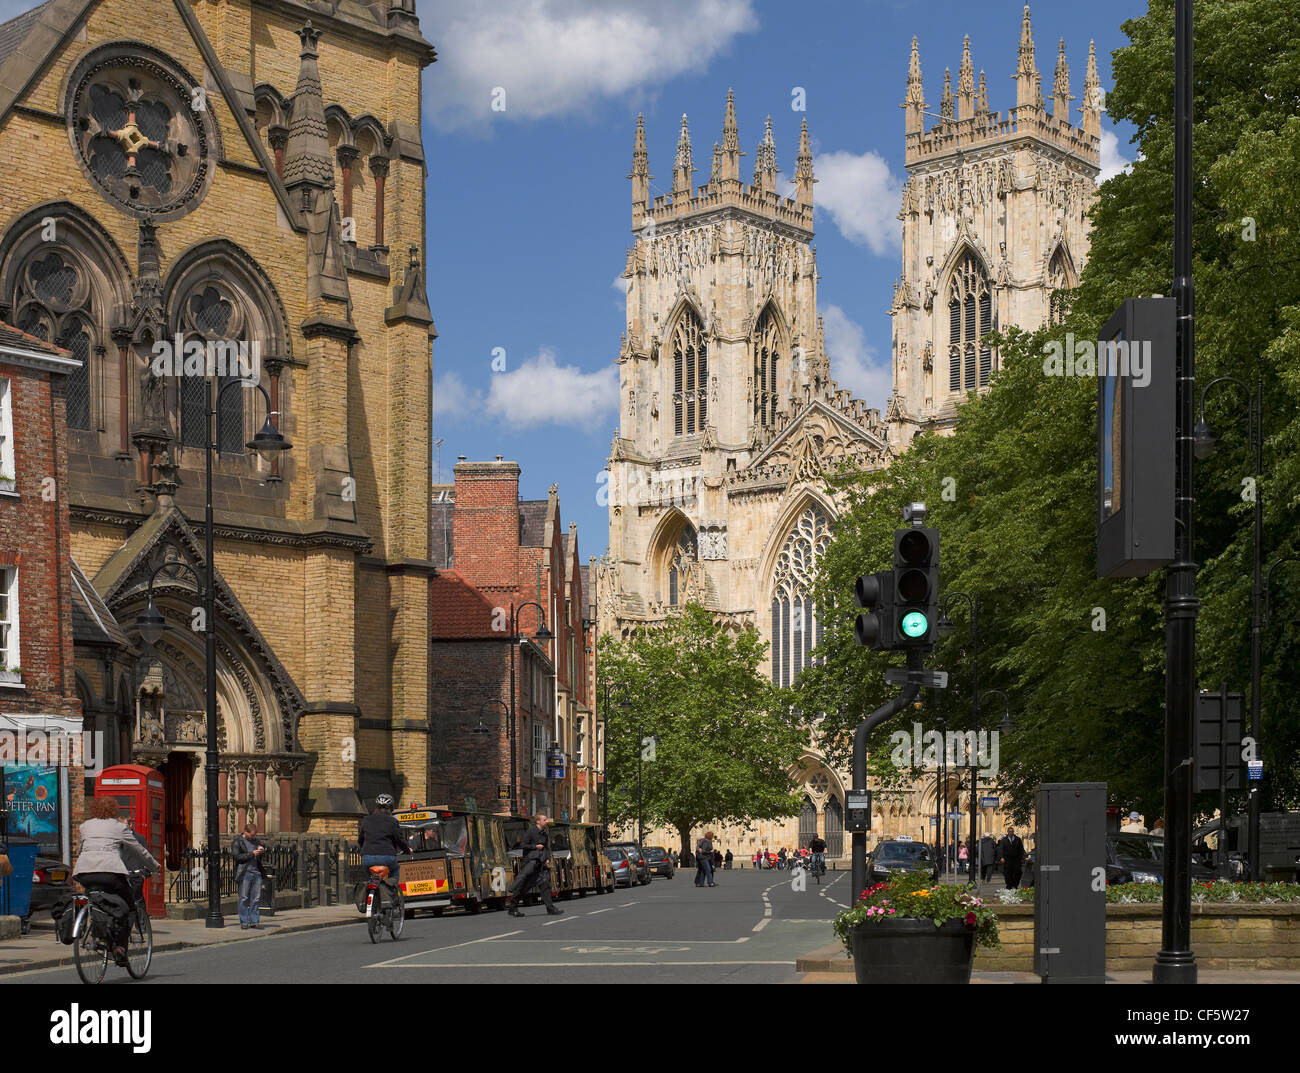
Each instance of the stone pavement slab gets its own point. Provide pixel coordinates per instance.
(40, 950)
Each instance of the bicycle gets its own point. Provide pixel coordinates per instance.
(818, 866)
(92, 945)
(378, 915)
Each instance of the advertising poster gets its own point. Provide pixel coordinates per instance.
(31, 795)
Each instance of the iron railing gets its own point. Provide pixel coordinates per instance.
(324, 869)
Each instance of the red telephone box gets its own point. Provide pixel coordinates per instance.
(139, 790)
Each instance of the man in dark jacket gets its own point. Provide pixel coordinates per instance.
(533, 871)
(988, 854)
(247, 851)
(1011, 852)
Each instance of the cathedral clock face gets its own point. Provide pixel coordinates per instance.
(142, 133)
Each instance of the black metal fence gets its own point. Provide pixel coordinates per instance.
(323, 870)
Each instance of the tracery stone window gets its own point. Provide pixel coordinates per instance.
(684, 554)
(690, 375)
(796, 628)
(210, 314)
(767, 346)
(142, 131)
(54, 304)
(970, 318)
(1058, 282)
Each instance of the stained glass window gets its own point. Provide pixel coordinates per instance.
(970, 318)
(690, 376)
(796, 627)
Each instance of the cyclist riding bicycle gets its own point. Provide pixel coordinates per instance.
(106, 845)
(380, 839)
(818, 848)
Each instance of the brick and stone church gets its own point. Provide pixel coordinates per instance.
(729, 418)
(247, 172)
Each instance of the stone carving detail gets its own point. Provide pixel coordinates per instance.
(713, 541)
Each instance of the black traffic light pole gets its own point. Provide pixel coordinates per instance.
(1175, 963)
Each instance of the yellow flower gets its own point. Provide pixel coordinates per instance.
(923, 893)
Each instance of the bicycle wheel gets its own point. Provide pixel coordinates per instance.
(375, 920)
(90, 955)
(139, 948)
(396, 917)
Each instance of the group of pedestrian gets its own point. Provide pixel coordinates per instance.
(706, 857)
(1006, 854)
(781, 859)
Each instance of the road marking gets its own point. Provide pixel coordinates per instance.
(762, 924)
(570, 964)
(564, 921)
(595, 911)
(437, 949)
(824, 894)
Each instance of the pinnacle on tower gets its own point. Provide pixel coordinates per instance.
(1092, 95)
(982, 98)
(914, 102)
(683, 168)
(966, 83)
(731, 153)
(307, 153)
(1061, 87)
(803, 172)
(945, 102)
(765, 168)
(1038, 92)
(640, 175)
(1026, 71)
(715, 174)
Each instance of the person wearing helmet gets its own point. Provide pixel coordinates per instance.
(380, 838)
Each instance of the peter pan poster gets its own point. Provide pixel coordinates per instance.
(32, 797)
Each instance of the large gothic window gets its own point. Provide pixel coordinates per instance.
(970, 318)
(690, 376)
(210, 314)
(1058, 282)
(54, 304)
(807, 821)
(684, 553)
(767, 345)
(796, 629)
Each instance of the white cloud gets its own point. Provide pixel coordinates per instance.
(553, 57)
(862, 196)
(452, 399)
(854, 364)
(540, 392)
(1112, 161)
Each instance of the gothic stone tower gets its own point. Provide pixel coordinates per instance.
(994, 223)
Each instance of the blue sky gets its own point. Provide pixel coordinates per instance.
(529, 210)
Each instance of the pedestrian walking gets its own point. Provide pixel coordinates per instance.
(247, 851)
(717, 860)
(756, 860)
(704, 860)
(988, 855)
(1011, 851)
(533, 872)
(780, 859)
(962, 858)
(726, 861)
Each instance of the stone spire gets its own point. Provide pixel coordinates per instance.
(1026, 71)
(307, 154)
(1092, 95)
(982, 98)
(914, 102)
(803, 172)
(1061, 86)
(1038, 92)
(965, 83)
(765, 168)
(945, 102)
(640, 175)
(731, 153)
(715, 173)
(683, 167)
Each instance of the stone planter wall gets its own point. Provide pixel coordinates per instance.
(1223, 937)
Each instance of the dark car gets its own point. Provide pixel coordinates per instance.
(637, 856)
(660, 863)
(898, 855)
(51, 881)
(1133, 858)
(624, 869)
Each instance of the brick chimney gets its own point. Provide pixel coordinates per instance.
(485, 526)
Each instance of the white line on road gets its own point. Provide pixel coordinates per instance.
(762, 924)
(454, 946)
(595, 911)
(574, 964)
(564, 921)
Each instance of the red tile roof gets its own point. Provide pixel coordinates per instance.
(15, 337)
(458, 610)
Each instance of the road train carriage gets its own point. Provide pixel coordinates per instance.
(462, 857)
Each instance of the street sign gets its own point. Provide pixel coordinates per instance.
(1218, 737)
(988, 802)
(470, 804)
(858, 805)
(1255, 770)
(901, 676)
(934, 821)
(503, 792)
(955, 815)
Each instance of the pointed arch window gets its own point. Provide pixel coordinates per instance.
(685, 552)
(807, 821)
(211, 315)
(690, 376)
(54, 304)
(796, 627)
(1058, 283)
(767, 354)
(970, 319)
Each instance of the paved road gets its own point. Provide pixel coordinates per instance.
(750, 928)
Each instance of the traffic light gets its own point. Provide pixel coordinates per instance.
(875, 594)
(916, 586)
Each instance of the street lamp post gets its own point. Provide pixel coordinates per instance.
(151, 623)
(542, 634)
(945, 628)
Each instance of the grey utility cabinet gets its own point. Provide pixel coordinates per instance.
(1070, 874)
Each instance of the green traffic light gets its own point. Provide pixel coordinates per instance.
(915, 624)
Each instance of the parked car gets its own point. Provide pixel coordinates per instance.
(900, 855)
(624, 869)
(1132, 858)
(51, 881)
(661, 864)
(637, 857)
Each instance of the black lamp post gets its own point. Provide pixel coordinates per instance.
(542, 634)
(945, 628)
(151, 623)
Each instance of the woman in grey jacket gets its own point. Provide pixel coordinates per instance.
(106, 845)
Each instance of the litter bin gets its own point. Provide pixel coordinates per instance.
(16, 890)
(266, 903)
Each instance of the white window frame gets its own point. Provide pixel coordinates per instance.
(8, 468)
(10, 653)
(579, 741)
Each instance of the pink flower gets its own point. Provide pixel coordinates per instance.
(970, 920)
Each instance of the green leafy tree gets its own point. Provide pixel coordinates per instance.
(1014, 489)
(714, 741)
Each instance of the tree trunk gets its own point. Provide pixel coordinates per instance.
(687, 858)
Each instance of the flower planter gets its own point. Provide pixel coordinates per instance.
(911, 951)
(11, 677)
